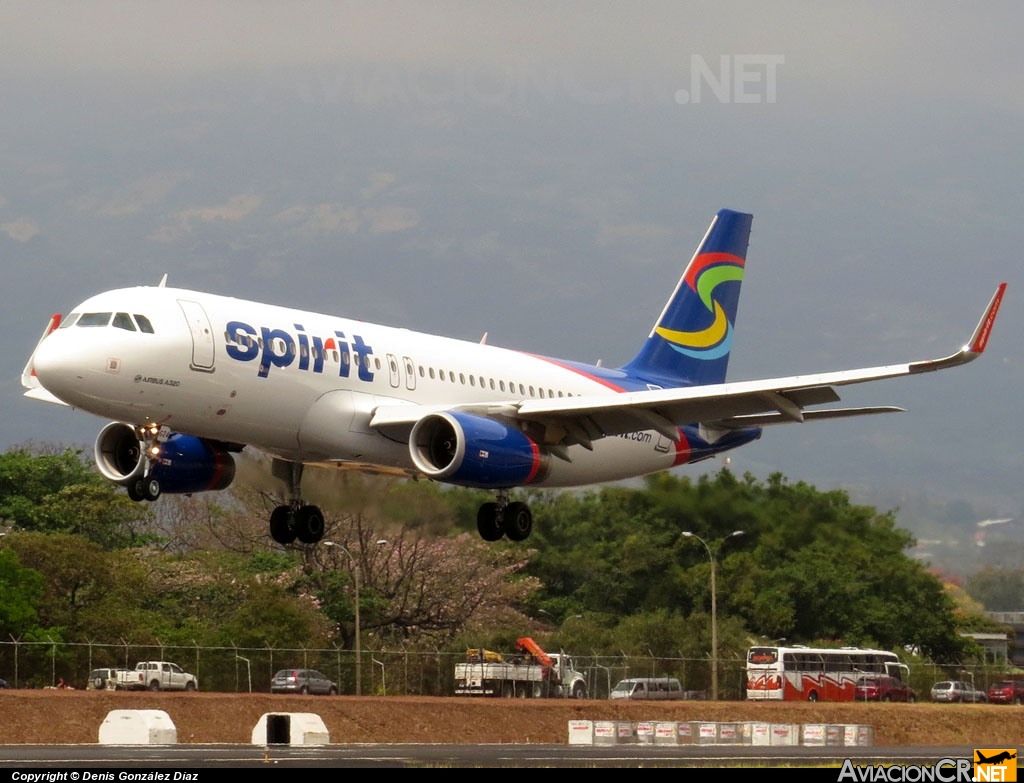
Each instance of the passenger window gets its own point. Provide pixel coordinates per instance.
(144, 324)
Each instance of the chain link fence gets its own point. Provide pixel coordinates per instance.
(41, 664)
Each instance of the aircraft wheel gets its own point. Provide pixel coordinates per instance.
(282, 529)
(151, 489)
(309, 524)
(518, 521)
(136, 491)
(487, 523)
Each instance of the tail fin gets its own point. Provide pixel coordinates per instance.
(691, 340)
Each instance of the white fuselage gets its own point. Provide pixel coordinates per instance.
(303, 386)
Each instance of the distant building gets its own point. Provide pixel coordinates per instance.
(1014, 621)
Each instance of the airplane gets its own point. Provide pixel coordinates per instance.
(996, 759)
(191, 378)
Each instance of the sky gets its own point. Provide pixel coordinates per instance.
(542, 172)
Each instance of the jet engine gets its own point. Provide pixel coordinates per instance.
(181, 464)
(474, 451)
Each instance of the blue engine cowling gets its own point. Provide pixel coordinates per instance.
(185, 463)
(474, 451)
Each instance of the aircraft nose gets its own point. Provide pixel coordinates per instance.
(55, 365)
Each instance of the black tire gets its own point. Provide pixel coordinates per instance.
(812, 696)
(309, 524)
(151, 489)
(98, 682)
(304, 690)
(487, 524)
(518, 521)
(579, 690)
(282, 528)
(333, 691)
(135, 491)
(154, 686)
(887, 697)
(190, 686)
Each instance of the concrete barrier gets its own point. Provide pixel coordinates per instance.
(626, 732)
(666, 733)
(581, 732)
(645, 732)
(785, 733)
(858, 735)
(605, 732)
(714, 733)
(813, 734)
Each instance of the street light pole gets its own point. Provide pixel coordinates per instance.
(712, 553)
(355, 577)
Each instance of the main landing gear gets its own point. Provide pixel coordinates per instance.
(144, 489)
(503, 518)
(295, 520)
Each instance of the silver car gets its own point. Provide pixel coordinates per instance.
(957, 691)
(302, 681)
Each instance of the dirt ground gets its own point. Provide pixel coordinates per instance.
(72, 716)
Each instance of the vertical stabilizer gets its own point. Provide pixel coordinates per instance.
(692, 338)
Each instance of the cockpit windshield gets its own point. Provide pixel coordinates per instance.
(129, 322)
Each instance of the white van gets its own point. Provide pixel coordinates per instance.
(649, 688)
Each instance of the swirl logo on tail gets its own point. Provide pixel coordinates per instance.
(707, 272)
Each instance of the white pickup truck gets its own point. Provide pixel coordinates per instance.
(156, 676)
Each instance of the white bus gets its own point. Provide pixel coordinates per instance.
(815, 673)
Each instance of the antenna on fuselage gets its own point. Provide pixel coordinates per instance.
(163, 281)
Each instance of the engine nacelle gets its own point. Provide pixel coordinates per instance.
(184, 464)
(474, 451)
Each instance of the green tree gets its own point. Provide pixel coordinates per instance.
(21, 588)
(60, 493)
(998, 589)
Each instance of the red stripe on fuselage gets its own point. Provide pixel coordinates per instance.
(606, 383)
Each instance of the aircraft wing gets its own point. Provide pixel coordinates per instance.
(569, 420)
